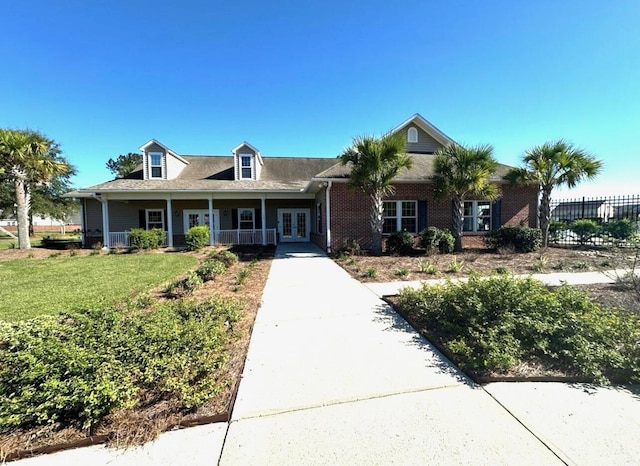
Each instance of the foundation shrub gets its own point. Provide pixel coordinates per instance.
(139, 238)
(227, 257)
(400, 243)
(435, 240)
(209, 269)
(490, 325)
(520, 238)
(197, 237)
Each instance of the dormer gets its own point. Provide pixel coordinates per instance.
(422, 137)
(247, 162)
(159, 162)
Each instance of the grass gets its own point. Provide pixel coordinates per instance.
(56, 284)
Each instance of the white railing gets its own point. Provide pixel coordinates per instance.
(120, 239)
(244, 236)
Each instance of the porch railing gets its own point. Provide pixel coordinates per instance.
(121, 238)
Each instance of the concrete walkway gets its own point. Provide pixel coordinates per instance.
(333, 376)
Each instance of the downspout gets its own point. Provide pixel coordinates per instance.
(328, 207)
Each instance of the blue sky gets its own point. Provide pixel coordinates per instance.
(303, 78)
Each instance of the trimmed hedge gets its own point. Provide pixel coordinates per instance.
(518, 238)
(139, 238)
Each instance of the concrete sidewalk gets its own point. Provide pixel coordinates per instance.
(333, 376)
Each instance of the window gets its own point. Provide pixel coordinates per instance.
(412, 135)
(246, 219)
(155, 219)
(246, 168)
(319, 218)
(477, 216)
(400, 216)
(155, 164)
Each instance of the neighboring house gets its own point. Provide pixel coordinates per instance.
(598, 210)
(247, 198)
(40, 223)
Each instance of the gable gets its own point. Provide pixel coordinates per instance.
(159, 162)
(428, 138)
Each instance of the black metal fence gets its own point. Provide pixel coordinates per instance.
(596, 221)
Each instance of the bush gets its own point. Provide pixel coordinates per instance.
(400, 242)
(226, 257)
(621, 229)
(81, 366)
(519, 238)
(433, 240)
(197, 237)
(494, 324)
(209, 269)
(585, 229)
(139, 238)
(557, 229)
(183, 287)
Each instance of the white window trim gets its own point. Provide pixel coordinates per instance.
(251, 166)
(146, 217)
(253, 216)
(474, 216)
(151, 166)
(399, 216)
(412, 135)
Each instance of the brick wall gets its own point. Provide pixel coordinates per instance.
(350, 211)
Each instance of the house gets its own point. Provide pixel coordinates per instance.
(250, 198)
(599, 210)
(41, 222)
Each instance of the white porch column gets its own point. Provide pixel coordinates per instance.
(169, 223)
(211, 223)
(263, 210)
(106, 243)
(83, 226)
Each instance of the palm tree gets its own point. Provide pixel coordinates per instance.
(27, 158)
(461, 172)
(375, 162)
(554, 164)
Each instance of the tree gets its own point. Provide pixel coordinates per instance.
(553, 164)
(48, 200)
(27, 159)
(125, 164)
(461, 172)
(375, 162)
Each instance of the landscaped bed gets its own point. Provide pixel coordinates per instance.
(128, 370)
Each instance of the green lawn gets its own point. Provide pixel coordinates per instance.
(31, 287)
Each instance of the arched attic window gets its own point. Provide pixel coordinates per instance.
(412, 135)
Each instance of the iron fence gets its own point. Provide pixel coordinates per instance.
(596, 221)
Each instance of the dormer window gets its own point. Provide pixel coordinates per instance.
(246, 166)
(155, 164)
(412, 135)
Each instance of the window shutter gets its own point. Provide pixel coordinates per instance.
(234, 219)
(258, 219)
(142, 219)
(166, 220)
(422, 215)
(496, 214)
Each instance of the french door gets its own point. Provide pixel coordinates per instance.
(293, 225)
(197, 217)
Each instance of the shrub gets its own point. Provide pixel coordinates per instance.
(209, 269)
(557, 229)
(585, 229)
(455, 265)
(400, 242)
(371, 272)
(540, 264)
(183, 287)
(80, 366)
(139, 238)
(433, 240)
(520, 238)
(621, 229)
(493, 324)
(427, 267)
(402, 272)
(227, 257)
(197, 237)
(242, 275)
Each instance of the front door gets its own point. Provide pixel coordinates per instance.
(197, 217)
(293, 225)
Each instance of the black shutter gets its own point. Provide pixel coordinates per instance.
(258, 218)
(142, 219)
(496, 214)
(234, 219)
(422, 215)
